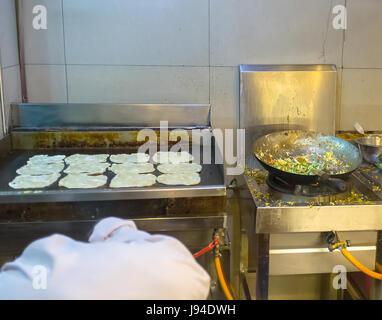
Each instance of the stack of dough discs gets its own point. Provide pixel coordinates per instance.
(172, 157)
(82, 181)
(43, 158)
(132, 168)
(134, 157)
(87, 167)
(34, 182)
(187, 179)
(179, 168)
(36, 169)
(82, 158)
(130, 180)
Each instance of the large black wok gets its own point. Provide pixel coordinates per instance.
(316, 146)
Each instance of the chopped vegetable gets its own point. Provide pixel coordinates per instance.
(297, 165)
(310, 164)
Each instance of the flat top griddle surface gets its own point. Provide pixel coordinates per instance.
(212, 183)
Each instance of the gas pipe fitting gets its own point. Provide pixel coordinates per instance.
(335, 243)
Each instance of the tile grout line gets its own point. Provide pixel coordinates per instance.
(66, 65)
(342, 76)
(12, 66)
(165, 66)
(123, 65)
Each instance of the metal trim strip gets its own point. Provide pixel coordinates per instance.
(82, 115)
(318, 250)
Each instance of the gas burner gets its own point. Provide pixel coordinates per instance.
(320, 189)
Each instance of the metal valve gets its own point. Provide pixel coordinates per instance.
(334, 242)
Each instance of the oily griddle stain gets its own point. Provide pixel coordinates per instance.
(83, 140)
(53, 140)
(95, 140)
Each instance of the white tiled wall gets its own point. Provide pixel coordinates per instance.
(138, 84)
(362, 76)
(130, 32)
(46, 83)
(363, 45)
(362, 98)
(224, 98)
(9, 57)
(273, 32)
(188, 51)
(8, 34)
(44, 46)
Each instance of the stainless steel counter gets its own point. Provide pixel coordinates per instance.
(286, 233)
(359, 209)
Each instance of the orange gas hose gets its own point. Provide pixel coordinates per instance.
(359, 265)
(222, 281)
(212, 245)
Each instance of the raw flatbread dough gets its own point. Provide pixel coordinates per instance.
(43, 158)
(134, 157)
(179, 168)
(132, 180)
(132, 168)
(87, 167)
(81, 158)
(37, 169)
(187, 179)
(82, 181)
(34, 182)
(172, 157)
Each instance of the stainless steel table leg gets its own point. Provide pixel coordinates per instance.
(376, 289)
(262, 273)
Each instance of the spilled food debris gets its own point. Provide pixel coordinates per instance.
(258, 186)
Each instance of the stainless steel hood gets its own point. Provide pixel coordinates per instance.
(282, 97)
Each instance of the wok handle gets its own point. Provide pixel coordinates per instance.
(336, 183)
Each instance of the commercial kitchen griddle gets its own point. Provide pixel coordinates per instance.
(53, 130)
(212, 184)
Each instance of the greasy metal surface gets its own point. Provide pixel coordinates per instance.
(371, 177)
(212, 184)
(111, 115)
(127, 139)
(5, 146)
(307, 253)
(370, 147)
(348, 136)
(319, 218)
(262, 272)
(317, 260)
(295, 143)
(157, 224)
(181, 223)
(125, 209)
(282, 97)
(358, 209)
(371, 140)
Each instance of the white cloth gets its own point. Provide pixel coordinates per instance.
(119, 262)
